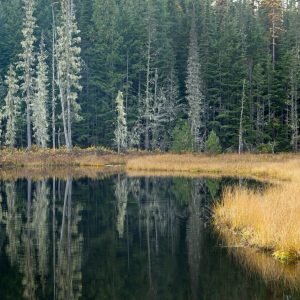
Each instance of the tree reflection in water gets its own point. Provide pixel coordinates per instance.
(122, 238)
(27, 229)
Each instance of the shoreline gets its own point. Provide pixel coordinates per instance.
(267, 220)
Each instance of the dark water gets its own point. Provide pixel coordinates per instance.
(120, 238)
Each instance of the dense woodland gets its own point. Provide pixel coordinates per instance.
(152, 74)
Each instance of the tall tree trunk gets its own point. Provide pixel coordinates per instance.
(241, 120)
(53, 77)
(147, 89)
(28, 119)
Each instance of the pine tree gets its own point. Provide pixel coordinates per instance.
(68, 68)
(27, 60)
(194, 87)
(39, 102)
(121, 130)
(11, 108)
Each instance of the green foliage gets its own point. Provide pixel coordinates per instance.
(114, 37)
(182, 138)
(212, 145)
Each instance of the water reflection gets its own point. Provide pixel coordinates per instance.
(27, 227)
(121, 238)
(278, 275)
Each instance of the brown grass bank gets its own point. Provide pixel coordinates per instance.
(42, 158)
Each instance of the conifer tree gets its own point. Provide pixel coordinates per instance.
(68, 67)
(121, 130)
(194, 87)
(39, 102)
(274, 9)
(27, 59)
(11, 107)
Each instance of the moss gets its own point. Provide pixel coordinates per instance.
(286, 256)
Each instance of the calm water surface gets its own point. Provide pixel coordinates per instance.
(122, 238)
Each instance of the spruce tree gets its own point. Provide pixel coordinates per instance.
(39, 102)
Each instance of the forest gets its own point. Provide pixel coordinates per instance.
(168, 75)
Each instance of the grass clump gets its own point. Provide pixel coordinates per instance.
(265, 219)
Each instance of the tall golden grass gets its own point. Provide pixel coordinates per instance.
(257, 166)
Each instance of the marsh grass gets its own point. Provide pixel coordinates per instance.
(267, 220)
(255, 166)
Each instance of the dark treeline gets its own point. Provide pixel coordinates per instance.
(187, 70)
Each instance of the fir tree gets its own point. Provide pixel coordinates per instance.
(39, 102)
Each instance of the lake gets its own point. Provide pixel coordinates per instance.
(120, 237)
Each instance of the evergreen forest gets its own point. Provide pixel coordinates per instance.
(168, 75)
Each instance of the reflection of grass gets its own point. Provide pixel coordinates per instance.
(272, 272)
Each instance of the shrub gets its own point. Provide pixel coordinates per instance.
(212, 145)
(182, 138)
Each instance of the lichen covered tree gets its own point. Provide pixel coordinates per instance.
(68, 67)
(11, 107)
(27, 59)
(121, 129)
(39, 102)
